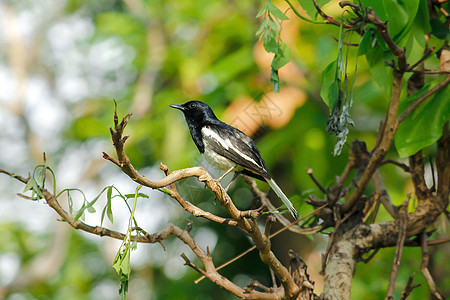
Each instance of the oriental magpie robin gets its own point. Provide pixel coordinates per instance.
(226, 147)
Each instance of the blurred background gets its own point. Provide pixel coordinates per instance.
(61, 65)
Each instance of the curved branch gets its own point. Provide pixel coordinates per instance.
(262, 242)
(210, 270)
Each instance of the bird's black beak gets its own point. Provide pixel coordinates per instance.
(177, 106)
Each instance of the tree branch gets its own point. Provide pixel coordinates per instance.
(402, 226)
(361, 238)
(262, 243)
(424, 267)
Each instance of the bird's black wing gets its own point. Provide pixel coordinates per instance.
(236, 146)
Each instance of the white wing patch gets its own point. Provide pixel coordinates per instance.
(226, 143)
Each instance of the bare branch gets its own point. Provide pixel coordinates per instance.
(409, 287)
(424, 267)
(321, 188)
(328, 19)
(422, 98)
(394, 162)
(436, 242)
(188, 263)
(402, 226)
(383, 195)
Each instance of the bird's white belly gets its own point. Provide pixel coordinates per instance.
(219, 161)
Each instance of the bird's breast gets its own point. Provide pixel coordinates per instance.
(218, 160)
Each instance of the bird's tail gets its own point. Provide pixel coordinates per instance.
(283, 197)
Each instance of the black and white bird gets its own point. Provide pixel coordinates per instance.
(226, 147)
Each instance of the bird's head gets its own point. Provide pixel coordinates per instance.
(195, 111)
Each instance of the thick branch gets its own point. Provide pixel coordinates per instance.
(362, 238)
(385, 138)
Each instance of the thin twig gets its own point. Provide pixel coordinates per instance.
(424, 267)
(422, 98)
(383, 194)
(409, 287)
(428, 72)
(328, 19)
(436, 242)
(321, 188)
(405, 167)
(188, 263)
(402, 225)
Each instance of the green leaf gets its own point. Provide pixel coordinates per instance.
(282, 56)
(263, 10)
(270, 44)
(382, 73)
(109, 212)
(330, 84)
(107, 209)
(275, 79)
(366, 41)
(142, 195)
(103, 216)
(272, 25)
(399, 13)
(30, 184)
(122, 261)
(276, 12)
(423, 126)
(70, 201)
(80, 213)
(262, 28)
(415, 39)
(439, 29)
(33, 186)
(41, 176)
(109, 193)
(435, 43)
(423, 17)
(91, 209)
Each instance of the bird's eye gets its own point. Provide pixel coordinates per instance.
(192, 105)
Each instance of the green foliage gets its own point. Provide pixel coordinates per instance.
(338, 96)
(400, 14)
(269, 33)
(122, 261)
(423, 126)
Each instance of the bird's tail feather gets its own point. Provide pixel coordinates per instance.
(282, 196)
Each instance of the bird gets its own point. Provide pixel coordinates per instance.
(226, 147)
